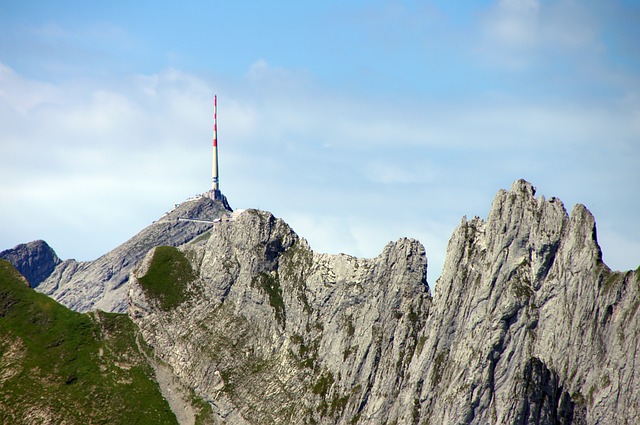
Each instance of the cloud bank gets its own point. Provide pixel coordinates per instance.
(517, 89)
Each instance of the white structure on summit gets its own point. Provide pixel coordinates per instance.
(215, 192)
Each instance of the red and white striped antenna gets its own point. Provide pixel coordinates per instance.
(215, 184)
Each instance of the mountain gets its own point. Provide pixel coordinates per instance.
(246, 324)
(526, 325)
(34, 260)
(101, 283)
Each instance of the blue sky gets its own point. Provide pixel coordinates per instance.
(356, 122)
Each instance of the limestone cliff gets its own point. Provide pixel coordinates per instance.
(529, 325)
(526, 325)
(269, 331)
(34, 260)
(101, 283)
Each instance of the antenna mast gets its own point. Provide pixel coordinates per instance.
(215, 184)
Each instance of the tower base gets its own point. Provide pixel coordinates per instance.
(216, 195)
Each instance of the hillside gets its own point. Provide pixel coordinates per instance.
(58, 366)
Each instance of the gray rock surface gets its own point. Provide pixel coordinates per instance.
(34, 260)
(102, 283)
(526, 325)
(272, 332)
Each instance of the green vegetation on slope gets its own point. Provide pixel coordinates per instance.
(271, 285)
(59, 366)
(167, 277)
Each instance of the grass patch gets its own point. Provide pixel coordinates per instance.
(591, 394)
(351, 330)
(439, 364)
(420, 345)
(578, 398)
(203, 410)
(347, 352)
(307, 355)
(203, 237)
(86, 368)
(295, 263)
(611, 279)
(167, 277)
(520, 279)
(271, 285)
(296, 339)
(338, 404)
(522, 289)
(323, 384)
(413, 317)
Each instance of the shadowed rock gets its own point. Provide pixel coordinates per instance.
(34, 260)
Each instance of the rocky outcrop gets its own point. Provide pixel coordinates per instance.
(529, 325)
(270, 332)
(526, 325)
(34, 260)
(102, 283)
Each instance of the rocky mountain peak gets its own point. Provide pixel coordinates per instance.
(34, 260)
(101, 283)
(254, 233)
(521, 289)
(298, 335)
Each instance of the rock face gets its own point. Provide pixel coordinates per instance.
(271, 332)
(101, 283)
(529, 325)
(526, 325)
(34, 260)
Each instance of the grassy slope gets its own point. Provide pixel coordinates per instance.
(167, 277)
(59, 366)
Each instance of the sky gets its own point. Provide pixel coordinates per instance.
(356, 122)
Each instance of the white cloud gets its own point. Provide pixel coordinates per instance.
(515, 22)
(22, 95)
(74, 151)
(521, 34)
(87, 165)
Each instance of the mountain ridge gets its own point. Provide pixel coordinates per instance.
(525, 325)
(101, 283)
